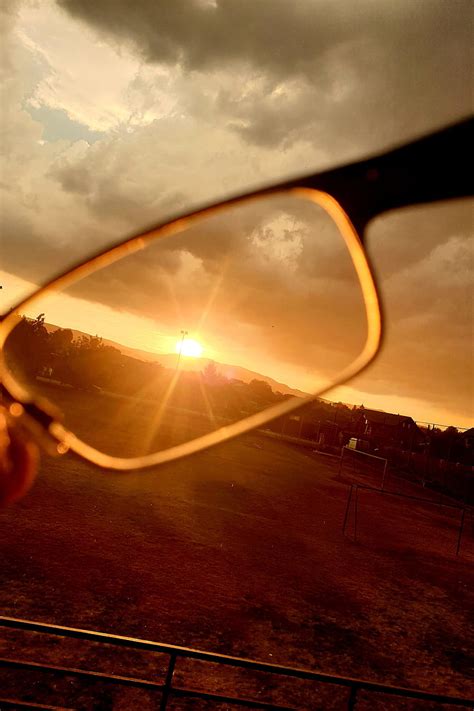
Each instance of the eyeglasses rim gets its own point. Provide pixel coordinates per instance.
(69, 441)
(432, 168)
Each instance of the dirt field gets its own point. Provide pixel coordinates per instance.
(240, 550)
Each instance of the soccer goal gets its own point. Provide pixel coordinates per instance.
(364, 467)
(397, 520)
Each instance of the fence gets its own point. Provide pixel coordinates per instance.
(169, 690)
(364, 463)
(437, 456)
(353, 498)
(447, 477)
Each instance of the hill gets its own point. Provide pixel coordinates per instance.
(168, 360)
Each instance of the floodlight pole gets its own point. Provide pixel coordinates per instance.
(183, 336)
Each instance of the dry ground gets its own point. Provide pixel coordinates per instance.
(239, 550)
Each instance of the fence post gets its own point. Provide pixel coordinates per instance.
(346, 515)
(340, 461)
(355, 511)
(168, 683)
(352, 700)
(384, 474)
(461, 528)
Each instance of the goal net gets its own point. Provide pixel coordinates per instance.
(363, 468)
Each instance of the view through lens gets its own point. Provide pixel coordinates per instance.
(242, 309)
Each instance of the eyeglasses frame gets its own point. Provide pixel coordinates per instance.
(426, 170)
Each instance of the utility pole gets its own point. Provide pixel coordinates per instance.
(183, 336)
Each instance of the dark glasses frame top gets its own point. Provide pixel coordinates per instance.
(426, 170)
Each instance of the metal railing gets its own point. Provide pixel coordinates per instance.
(169, 689)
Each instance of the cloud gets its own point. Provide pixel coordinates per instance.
(63, 198)
(228, 273)
(359, 74)
(86, 79)
(118, 114)
(278, 37)
(425, 263)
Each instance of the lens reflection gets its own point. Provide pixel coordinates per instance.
(241, 310)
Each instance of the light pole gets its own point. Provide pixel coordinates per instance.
(183, 336)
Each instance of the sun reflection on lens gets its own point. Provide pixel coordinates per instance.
(189, 347)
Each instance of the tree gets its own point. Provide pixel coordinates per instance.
(210, 373)
(60, 340)
(89, 343)
(28, 347)
(261, 391)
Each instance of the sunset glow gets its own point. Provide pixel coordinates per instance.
(189, 347)
(236, 353)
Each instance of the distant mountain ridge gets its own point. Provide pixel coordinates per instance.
(236, 372)
(169, 360)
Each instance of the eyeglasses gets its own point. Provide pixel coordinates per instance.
(220, 321)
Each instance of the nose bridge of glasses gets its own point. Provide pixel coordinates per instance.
(426, 170)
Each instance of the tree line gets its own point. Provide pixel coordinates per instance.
(43, 355)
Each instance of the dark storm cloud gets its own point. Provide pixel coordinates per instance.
(280, 37)
(372, 72)
(102, 181)
(32, 255)
(24, 251)
(277, 36)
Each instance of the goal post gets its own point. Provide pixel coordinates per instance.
(413, 518)
(363, 463)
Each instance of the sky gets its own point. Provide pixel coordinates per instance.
(116, 115)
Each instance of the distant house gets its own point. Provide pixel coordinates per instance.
(320, 422)
(384, 429)
(466, 447)
(335, 424)
(467, 438)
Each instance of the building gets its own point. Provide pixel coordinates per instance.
(384, 429)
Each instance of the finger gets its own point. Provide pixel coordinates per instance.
(19, 459)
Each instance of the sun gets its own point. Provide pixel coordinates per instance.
(189, 347)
